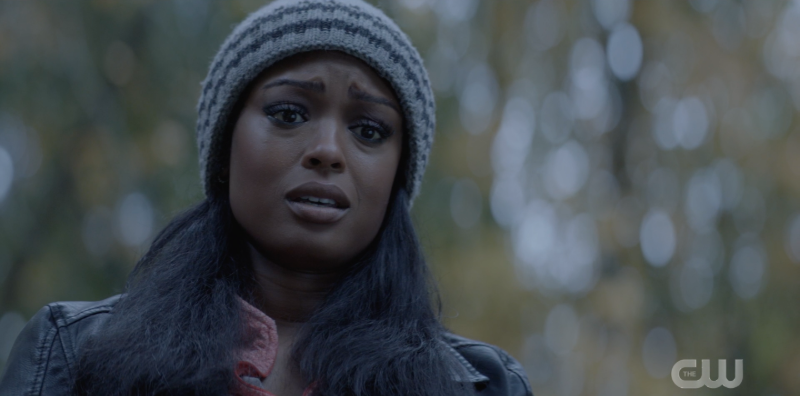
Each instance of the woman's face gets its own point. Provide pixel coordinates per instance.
(318, 126)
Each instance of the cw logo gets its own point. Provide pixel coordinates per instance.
(705, 379)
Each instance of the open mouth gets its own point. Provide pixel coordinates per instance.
(319, 203)
(321, 211)
(325, 202)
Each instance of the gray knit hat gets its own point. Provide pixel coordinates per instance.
(287, 27)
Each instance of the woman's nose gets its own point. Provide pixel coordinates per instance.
(325, 149)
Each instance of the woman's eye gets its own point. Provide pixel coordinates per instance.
(286, 115)
(371, 133)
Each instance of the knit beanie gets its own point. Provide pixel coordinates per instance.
(287, 27)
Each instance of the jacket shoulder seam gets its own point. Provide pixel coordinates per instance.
(63, 319)
(70, 357)
(513, 367)
(474, 375)
(504, 357)
(528, 390)
(43, 350)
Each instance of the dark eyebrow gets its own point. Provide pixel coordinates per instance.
(309, 85)
(361, 95)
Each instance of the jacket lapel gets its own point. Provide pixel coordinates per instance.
(470, 373)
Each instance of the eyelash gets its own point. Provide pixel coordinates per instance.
(272, 110)
(382, 128)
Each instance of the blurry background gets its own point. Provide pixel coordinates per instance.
(614, 184)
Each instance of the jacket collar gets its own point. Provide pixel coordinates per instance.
(470, 373)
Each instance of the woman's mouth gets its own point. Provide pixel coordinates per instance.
(316, 210)
(317, 201)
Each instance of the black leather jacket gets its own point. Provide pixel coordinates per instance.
(42, 361)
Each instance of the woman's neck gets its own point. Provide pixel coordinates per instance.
(287, 295)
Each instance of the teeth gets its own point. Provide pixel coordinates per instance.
(321, 201)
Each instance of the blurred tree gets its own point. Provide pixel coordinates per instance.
(613, 185)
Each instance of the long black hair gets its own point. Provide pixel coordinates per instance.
(166, 335)
(377, 332)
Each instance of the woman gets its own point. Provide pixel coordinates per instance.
(300, 273)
